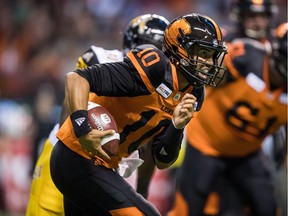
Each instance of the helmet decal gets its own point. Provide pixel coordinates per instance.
(217, 29)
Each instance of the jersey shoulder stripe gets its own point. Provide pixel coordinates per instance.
(141, 72)
(153, 67)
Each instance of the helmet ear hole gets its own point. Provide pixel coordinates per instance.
(184, 62)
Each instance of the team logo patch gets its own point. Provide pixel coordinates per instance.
(80, 120)
(163, 152)
(163, 90)
(177, 97)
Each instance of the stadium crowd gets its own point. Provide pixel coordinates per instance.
(40, 41)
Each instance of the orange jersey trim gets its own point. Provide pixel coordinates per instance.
(128, 211)
(141, 71)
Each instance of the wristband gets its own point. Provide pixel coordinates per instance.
(80, 123)
(168, 147)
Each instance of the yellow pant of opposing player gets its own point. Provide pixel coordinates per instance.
(45, 199)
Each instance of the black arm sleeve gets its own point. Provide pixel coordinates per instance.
(166, 148)
(113, 79)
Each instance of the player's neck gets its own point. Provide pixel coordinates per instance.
(182, 81)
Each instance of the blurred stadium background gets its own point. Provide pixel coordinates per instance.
(40, 41)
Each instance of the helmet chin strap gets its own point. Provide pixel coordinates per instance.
(181, 67)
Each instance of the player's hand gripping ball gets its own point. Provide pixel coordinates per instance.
(100, 118)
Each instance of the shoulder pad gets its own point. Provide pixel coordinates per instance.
(105, 56)
(87, 59)
(152, 64)
(242, 55)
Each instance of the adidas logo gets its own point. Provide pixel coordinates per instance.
(163, 152)
(79, 121)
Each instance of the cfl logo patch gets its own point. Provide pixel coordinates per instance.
(163, 90)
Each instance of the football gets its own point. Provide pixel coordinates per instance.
(100, 118)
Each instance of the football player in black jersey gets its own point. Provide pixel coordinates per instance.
(152, 95)
(45, 199)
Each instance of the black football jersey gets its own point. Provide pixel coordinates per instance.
(141, 93)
